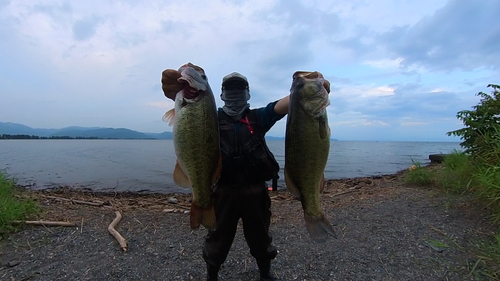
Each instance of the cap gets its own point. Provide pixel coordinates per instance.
(234, 76)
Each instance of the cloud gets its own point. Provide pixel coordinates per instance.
(164, 104)
(464, 34)
(55, 10)
(393, 105)
(392, 65)
(84, 29)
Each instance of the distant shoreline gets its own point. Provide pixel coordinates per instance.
(28, 137)
(34, 137)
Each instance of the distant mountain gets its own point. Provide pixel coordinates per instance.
(80, 128)
(161, 136)
(86, 132)
(19, 129)
(103, 133)
(90, 132)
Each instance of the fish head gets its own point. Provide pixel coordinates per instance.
(194, 81)
(310, 90)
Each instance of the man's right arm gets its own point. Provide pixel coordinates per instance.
(281, 106)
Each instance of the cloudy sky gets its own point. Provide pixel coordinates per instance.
(399, 69)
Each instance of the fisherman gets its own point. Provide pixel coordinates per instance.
(241, 191)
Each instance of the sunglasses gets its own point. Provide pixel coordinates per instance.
(235, 86)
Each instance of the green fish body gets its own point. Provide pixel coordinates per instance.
(307, 144)
(196, 142)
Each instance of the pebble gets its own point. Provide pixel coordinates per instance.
(13, 263)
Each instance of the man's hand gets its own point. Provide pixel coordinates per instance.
(169, 83)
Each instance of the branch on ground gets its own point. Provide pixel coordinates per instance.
(46, 223)
(116, 234)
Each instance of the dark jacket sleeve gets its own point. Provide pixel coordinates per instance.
(268, 117)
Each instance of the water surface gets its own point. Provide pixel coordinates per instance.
(147, 165)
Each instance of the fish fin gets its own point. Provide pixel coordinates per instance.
(169, 117)
(324, 130)
(216, 175)
(291, 186)
(202, 216)
(319, 227)
(180, 178)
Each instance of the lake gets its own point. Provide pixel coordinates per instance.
(147, 165)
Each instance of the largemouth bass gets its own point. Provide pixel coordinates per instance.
(307, 143)
(196, 139)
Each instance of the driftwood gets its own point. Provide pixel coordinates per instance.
(112, 230)
(47, 223)
(342, 193)
(97, 203)
(180, 206)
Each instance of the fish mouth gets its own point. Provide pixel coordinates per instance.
(194, 79)
(191, 92)
(307, 74)
(312, 75)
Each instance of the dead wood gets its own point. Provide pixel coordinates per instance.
(116, 234)
(342, 193)
(47, 223)
(96, 203)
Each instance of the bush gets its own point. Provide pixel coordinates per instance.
(488, 187)
(479, 169)
(457, 173)
(481, 134)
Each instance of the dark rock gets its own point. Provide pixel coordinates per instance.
(437, 158)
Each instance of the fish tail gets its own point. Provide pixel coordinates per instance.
(319, 227)
(202, 216)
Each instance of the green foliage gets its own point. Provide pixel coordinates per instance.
(479, 170)
(488, 260)
(11, 208)
(418, 176)
(482, 126)
(462, 173)
(488, 187)
(457, 173)
(489, 153)
(481, 136)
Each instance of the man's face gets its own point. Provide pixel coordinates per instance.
(235, 85)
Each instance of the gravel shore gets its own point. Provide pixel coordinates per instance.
(386, 231)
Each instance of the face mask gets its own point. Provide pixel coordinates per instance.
(235, 102)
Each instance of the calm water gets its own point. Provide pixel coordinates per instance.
(147, 165)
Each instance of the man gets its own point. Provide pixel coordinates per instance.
(241, 191)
